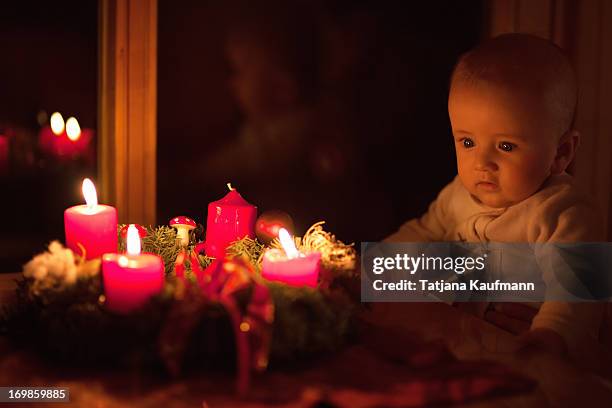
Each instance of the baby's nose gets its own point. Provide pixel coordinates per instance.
(485, 161)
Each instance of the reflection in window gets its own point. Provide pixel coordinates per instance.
(323, 109)
(48, 81)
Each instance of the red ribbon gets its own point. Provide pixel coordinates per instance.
(219, 282)
(179, 264)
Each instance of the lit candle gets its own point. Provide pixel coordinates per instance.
(229, 219)
(4, 154)
(50, 134)
(94, 226)
(289, 265)
(65, 140)
(131, 279)
(79, 139)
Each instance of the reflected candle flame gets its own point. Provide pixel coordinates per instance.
(73, 130)
(57, 123)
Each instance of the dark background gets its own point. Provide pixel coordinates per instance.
(384, 69)
(392, 64)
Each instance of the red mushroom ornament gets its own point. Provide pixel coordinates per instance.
(142, 231)
(183, 226)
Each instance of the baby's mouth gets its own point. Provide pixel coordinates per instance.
(487, 186)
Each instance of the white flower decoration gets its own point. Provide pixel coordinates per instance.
(57, 264)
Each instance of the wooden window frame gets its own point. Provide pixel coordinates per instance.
(127, 146)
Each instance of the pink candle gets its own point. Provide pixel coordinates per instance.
(94, 226)
(131, 279)
(229, 219)
(290, 266)
(300, 271)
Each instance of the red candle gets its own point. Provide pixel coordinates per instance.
(4, 154)
(289, 265)
(78, 139)
(229, 219)
(94, 226)
(65, 140)
(131, 279)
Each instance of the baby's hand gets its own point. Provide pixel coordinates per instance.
(513, 317)
(516, 318)
(538, 340)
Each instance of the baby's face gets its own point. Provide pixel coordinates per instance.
(260, 85)
(249, 80)
(504, 140)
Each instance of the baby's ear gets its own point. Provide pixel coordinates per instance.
(566, 151)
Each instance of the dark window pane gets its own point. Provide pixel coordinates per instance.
(332, 110)
(48, 64)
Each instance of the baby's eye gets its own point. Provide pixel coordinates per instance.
(506, 146)
(467, 143)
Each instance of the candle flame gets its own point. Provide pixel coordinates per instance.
(287, 243)
(89, 192)
(57, 123)
(73, 130)
(133, 240)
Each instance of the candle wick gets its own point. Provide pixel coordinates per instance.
(229, 185)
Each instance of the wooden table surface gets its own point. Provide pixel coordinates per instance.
(559, 383)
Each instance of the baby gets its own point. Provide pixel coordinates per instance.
(511, 106)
